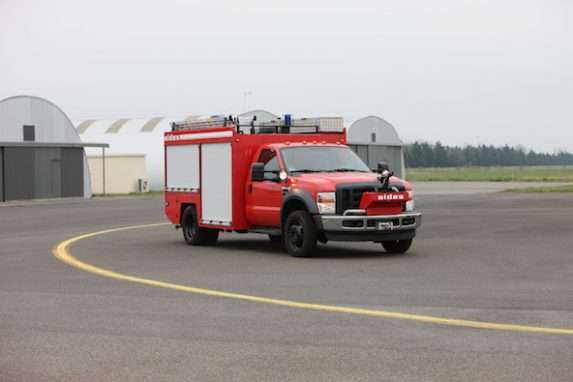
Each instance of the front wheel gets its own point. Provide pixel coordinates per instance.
(299, 234)
(397, 246)
(192, 233)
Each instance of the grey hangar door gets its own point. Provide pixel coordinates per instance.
(2, 174)
(42, 172)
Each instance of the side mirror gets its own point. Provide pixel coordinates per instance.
(257, 172)
(383, 166)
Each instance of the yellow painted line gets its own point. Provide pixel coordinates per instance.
(61, 251)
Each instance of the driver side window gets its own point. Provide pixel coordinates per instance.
(271, 162)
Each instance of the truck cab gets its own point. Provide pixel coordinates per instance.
(297, 188)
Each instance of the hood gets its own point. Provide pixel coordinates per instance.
(327, 181)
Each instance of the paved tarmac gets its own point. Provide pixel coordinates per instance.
(502, 258)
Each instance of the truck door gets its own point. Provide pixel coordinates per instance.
(264, 199)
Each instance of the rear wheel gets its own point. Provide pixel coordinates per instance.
(193, 234)
(397, 246)
(299, 234)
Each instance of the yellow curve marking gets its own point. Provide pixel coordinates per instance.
(62, 253)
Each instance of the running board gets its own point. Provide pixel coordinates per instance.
(266, 231)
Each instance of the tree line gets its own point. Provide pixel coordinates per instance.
(424, 154)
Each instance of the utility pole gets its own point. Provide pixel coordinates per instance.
(103, 168)
(245, 94)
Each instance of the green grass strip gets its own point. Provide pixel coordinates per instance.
(492, 174)
(529, 190)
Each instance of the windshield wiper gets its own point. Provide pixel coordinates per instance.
(306, 171)
(346, 170)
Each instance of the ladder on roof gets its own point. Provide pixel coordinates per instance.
(278, 126)
(214, 121)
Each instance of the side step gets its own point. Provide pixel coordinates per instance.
(266, 231)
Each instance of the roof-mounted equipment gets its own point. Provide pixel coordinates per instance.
(250, 124)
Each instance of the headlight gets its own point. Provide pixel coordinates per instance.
(409, 207)
(326, 202)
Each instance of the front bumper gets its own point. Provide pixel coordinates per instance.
(369, 228)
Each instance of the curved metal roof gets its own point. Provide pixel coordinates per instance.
(151, 124)
(89, 127)
(82, 127)
(116, 126)
(373, 130)
(52, 124)
(262, 115)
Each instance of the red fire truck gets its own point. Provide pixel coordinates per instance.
(294, 180)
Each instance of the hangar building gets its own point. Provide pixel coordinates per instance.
(41, 155)
(375, 140)
(135, 160)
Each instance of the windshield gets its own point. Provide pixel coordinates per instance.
(321, 159)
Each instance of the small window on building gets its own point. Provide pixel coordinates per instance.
(29, 133)
(373, 136)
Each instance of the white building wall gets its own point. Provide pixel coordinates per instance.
(130, 140)
(122, 173)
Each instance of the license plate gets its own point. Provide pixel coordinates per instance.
(385, 226)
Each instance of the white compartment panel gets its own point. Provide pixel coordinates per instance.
(183, 167)
(217, 183)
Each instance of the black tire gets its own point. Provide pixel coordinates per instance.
(397, 246)
(299, 234)
(192, 233)
(275, 238)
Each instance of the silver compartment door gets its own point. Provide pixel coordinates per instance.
(216, 184)
(182, 168)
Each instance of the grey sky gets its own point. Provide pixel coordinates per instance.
(446, 69)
